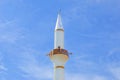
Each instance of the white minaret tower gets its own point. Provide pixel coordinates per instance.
(59, 55)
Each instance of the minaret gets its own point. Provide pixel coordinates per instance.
(59, 55)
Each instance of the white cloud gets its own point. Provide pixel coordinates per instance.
(113, 57)
(114, 51)
(81, 76)
(10, 32)
(36, 71)
(2, 67)
(31, 68)
(97, 77)
(115, 72)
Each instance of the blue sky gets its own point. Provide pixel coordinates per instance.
(92, 34)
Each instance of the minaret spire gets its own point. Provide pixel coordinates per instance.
(59, 21)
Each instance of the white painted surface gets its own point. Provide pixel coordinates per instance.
(59, 60)
(59, 39)
(59, 74)
(59, 33)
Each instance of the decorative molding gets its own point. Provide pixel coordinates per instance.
(59, 30)
(60, 67)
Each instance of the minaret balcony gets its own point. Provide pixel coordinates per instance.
(59, 51)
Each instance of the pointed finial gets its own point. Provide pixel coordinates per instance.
(59, 21)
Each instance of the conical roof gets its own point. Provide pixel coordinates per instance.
(59, 22)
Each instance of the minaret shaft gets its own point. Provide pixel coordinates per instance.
(59, 39)
(59, 74)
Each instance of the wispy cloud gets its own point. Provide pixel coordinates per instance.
(112, 57)
(114, 51)
(9, 32)
(114, 63)
(81, 76)
(115, 72)
(31, 67)
(2, 67)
